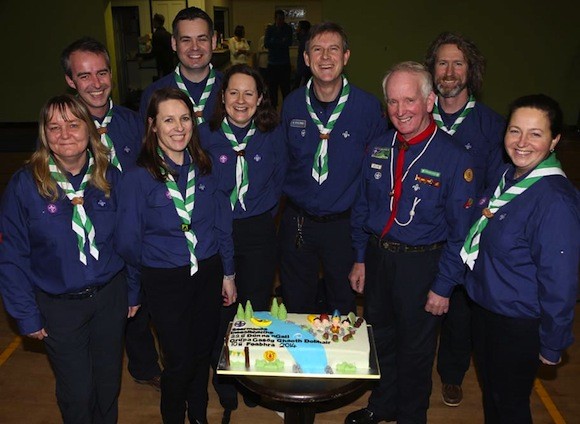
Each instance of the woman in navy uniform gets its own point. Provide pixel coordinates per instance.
(523, 254)
(59, 275)
(243, 135)
(175, 224)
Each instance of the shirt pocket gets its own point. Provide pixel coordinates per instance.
(102, 213)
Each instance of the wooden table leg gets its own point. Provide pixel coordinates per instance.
(299, 415)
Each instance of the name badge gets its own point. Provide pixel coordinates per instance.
(298, 123)
(376, 166)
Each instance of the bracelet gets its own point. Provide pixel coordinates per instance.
(230, 277)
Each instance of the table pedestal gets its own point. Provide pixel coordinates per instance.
(302, 396)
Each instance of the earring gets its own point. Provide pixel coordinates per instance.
(551, 150)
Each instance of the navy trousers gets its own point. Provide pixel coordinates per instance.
(396, 288)
(85, 348)
(326, 243)
(506, 352)
(185, 312)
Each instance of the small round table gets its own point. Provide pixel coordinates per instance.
(302, 396)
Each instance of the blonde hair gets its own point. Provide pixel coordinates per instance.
(38, 162)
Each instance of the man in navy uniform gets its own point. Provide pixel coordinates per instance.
(409, 221)
(457, 68)
(87, 69)
(328, 125)
(194, 41)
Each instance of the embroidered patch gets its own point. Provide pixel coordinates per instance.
(201, 186)
(223, 158)
(468, 204)
(101, 203)
(298, 123)
(168, 194)
(52, 208)
(381, 152)
(257, 158)
(346, 134)
(127, 149)
(376, 166)
(378, 175)
(468, 175)
(428, 181)
(430, 173)
(482, 201)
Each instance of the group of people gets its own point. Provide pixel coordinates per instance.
(119, 220)
(275, 46)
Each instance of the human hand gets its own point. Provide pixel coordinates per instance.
(437, 305)
(132, 311)
(38, 335)
(357, 277)
(229, 291)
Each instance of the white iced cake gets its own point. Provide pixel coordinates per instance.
(278, 341)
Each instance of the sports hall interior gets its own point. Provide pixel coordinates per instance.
(530, 47)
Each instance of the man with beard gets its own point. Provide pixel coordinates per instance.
(328, 124)
(409, 220)
(194, 41)
(457, 68)
(87, 69)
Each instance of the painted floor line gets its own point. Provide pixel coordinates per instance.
(10, 349)
(548, 403)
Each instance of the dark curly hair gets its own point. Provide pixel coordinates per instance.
(474, 58)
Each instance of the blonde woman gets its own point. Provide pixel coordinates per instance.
(59, 275)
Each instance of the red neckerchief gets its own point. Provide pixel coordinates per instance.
(403, 146)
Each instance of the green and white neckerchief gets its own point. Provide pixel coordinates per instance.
(320, 165)
(439, 121)
(106, 140)
(197, 108)
(184, 208)
(470, 249)
(81, 223)
(242, 181)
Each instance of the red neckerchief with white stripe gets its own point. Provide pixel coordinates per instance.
(403, 146)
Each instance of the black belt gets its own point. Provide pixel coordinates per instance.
(319, 218)
(396, 247)
(85, 293)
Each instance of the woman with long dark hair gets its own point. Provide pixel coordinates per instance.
(175, 224)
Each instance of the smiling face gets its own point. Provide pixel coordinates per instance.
(407, 106)
(450, 71)
(528, 139)
(241, 99)
(174, 127)
(91, 77)
(326, 56)
(194, 46)
(67, 136)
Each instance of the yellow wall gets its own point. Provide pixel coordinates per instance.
(33, 35)
(530, 46)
